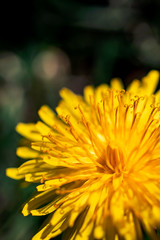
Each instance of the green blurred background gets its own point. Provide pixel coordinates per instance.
(46, 45)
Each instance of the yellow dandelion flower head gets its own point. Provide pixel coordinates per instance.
(97, 161)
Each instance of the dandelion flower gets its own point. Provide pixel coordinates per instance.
(97, 162)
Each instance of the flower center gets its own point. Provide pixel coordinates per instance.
(113, 159)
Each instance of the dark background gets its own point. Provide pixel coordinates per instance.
(46, 45)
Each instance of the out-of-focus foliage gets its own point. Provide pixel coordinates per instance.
(46, 45)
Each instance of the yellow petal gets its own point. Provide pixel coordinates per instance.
(134, 86)
(44, 233)
(37, 201)
(93, 201)
(47, 115)
(88, 93)
(46, 209)
(55, 183)
(50, 118)
(79, 206)
(50, 231)
(34, 165)
(85, 234)
(100, 92)
(98, 232)
(149, 83)
(147, 86)
(14, 173)
(26, 153)
(60, 214)
(70, 97)
(117, 84)
(29, 131)
(42, 128)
